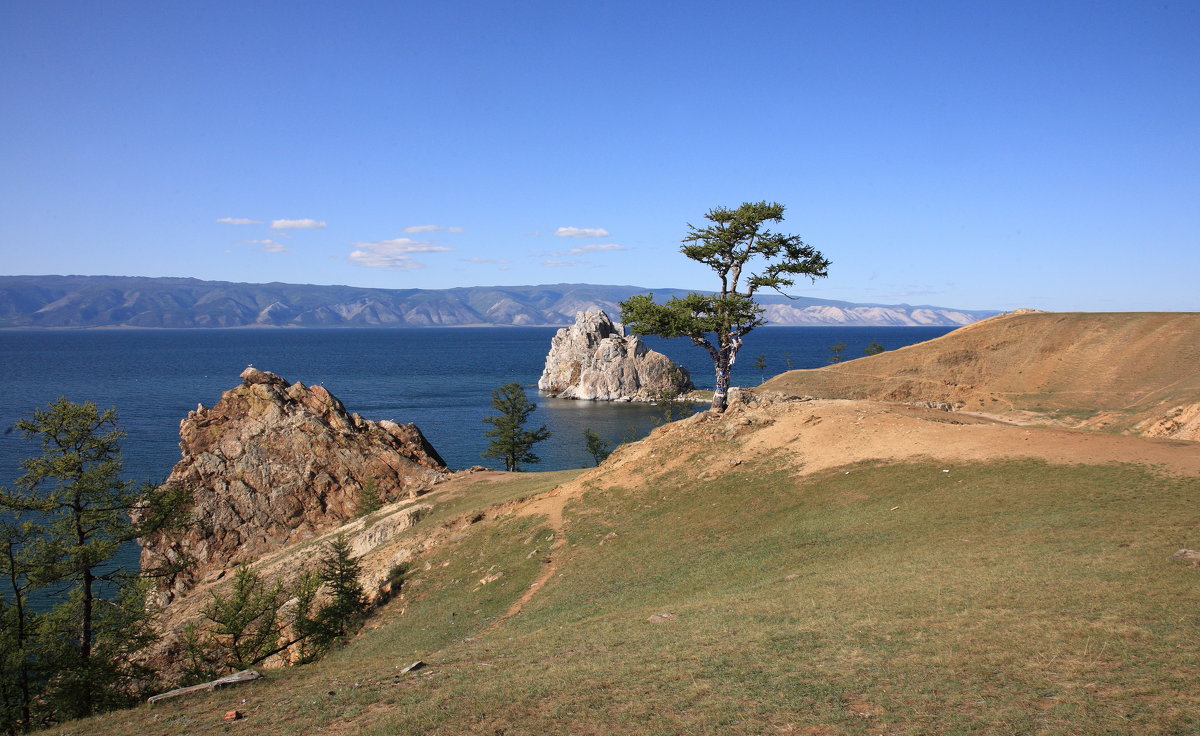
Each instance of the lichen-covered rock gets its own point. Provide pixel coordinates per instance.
(275, 462)
(593, 360)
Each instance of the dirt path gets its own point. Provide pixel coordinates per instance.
(551, 505)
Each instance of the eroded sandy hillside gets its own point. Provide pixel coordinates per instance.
(1133, 373)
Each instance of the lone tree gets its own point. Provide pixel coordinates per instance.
(735, 242)
(597, 447)
(511, 442)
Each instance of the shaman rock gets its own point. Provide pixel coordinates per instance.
(273, 463)
(593, 360)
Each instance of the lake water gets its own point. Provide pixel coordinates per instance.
(439, 378)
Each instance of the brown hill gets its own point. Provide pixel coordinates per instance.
(1133, 373)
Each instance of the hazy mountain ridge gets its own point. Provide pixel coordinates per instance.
(134, 301)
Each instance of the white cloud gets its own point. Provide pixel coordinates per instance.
(305, 224)
(271, 246)
(589, 248)
(580, 250)
(238, 221)
(431, 229)
(581, 232)
(487, 260)
(394, 253)
(561, 264)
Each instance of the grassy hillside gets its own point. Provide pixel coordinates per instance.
(1127, 372)
(734, 575)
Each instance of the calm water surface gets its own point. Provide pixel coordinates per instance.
(441, 379)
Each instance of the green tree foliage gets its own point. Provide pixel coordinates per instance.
(304, 621)
(347, 605)
(254, 619)
(731, 246)
(511, 442)
(670, 399)
(70, 514)
(200, 660)
(246, 622)
(835, 352)
(597, 447)
(19, 660)
(873, 348)
(368, 498)
(760, 362)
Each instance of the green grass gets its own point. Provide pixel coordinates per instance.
(513, 486)
(1014, 597)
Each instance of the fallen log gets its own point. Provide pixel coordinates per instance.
(236, 678)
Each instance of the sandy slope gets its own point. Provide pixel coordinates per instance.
(1129, 372)
(817, 435)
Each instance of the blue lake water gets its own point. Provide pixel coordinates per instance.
(441, 379)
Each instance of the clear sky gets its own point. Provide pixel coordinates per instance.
(966, 154)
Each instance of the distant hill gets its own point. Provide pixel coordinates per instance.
(130, 301)
(1121, 372)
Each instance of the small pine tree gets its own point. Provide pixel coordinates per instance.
(836, 352)
(596, 446)
(760, 362)
(368, 498)
(511, 442)
(200, 659)
(310, 645)
(348, 604)
(247, 628)
(873, 348)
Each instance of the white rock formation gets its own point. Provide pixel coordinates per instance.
(592, 360)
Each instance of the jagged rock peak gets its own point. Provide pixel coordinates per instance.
(254, 375)
(275, 462)
(593, 360)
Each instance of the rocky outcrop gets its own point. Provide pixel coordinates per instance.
(593, 360)
(274, 463)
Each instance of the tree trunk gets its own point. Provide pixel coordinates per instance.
(87, 584)
(720, 395)
(18, 593)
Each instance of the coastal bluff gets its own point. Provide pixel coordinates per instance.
(593, 360)
(274, 463)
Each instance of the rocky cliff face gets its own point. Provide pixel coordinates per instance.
(592, 360)
(276, 462)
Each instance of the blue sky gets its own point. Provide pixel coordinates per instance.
(965, 154)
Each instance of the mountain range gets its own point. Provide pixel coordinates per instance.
(135, 301)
